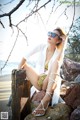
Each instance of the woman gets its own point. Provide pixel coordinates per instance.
(50, 60)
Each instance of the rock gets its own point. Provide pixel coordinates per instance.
(67, 86)
(65, 89)
(75, 115)
(72, 97)
(70, 69)
(77, 79)
(58, 112)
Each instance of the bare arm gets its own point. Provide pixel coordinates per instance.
(56, 65)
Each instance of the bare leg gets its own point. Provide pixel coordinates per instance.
(40, 110)
(32, 75)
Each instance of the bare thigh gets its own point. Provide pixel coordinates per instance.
(32, 75)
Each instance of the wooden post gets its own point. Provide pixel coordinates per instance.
(20, 95)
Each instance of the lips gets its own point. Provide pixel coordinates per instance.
(49, 38)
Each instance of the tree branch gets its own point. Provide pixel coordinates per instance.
(10, 23)
(31, 13)
(51, 11)
(21, 32)
(8, 2)
(72, 19)
(10, 52)
(2, 24)
(13, 10)
(62, 14)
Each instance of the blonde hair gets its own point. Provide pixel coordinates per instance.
(62, 33)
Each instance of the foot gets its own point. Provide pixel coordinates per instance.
(41, 109)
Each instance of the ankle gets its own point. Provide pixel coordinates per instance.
(47, 98)
(49, 93)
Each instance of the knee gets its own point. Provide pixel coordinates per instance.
(25, 66)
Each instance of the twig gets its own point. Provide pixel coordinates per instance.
(42, 20)
(10, 52)
(62, 14)
(2, 24)
(51, 11)
(13, 10)
(72, 19)
(9, 2)
(22, 33)
(31, 13)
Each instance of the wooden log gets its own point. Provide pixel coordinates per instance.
(20, 89)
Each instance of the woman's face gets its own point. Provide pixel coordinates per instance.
(53, 37)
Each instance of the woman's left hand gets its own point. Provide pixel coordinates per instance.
(38, 97)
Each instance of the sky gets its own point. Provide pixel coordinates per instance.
(36, 27)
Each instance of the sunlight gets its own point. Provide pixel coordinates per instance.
(35, 28)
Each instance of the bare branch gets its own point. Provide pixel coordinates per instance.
(22, 33)
(66, 15)
(72, 19)
(62, 14)
(10, 52)
(35, 6)
(42, 20)
(10, 23)
(57, 7)
(51, 11)
(13, 10)
(18, 5)
(31, 13)
(29, 3)
(2, 24)
(9, 2)
(1, 11)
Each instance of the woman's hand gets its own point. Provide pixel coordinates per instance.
(38, 97)
(64, 38)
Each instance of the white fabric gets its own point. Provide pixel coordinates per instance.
(56, 94)
(41, 49)
(40, 68)
(40, 64)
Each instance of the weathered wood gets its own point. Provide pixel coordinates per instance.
(20, 89)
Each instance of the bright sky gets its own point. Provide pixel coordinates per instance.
(35, 30)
